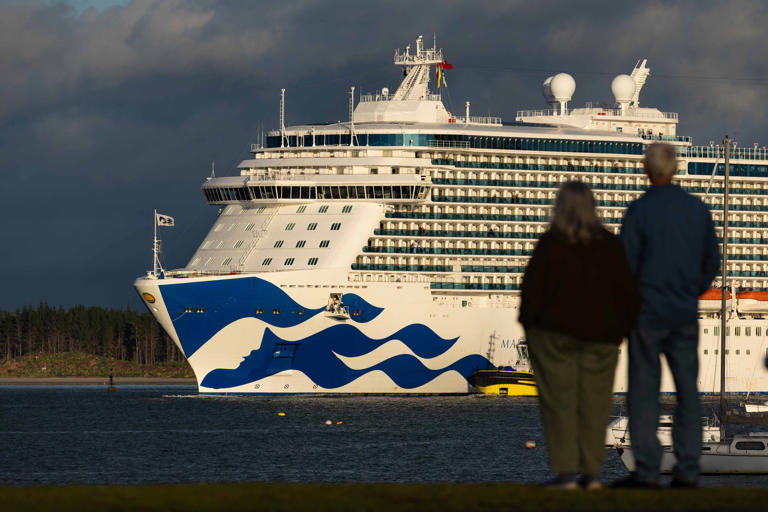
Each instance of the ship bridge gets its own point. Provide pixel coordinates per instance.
(266, 189)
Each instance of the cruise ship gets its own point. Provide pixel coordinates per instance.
(384, 254)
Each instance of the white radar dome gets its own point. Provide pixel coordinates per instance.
(546, 90)
(623, 88)
(562, 86)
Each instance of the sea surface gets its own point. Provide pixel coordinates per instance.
(56, 435)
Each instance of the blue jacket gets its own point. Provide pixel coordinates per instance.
(670, 242)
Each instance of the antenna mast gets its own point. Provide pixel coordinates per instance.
(724, 287)
(351, 116)
(155, 247)
(282, 118)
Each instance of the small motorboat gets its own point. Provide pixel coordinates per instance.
(504, 381)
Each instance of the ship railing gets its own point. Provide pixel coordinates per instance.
(608, 112)
(668, 138)
(427, 56)
(369, 97)
(448, 143)
(737, 153)
(496, 121)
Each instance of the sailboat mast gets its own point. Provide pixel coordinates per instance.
(724, 286)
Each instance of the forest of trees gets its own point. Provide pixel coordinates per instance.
(116, 333)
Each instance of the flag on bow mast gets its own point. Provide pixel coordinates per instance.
(439, 71)
(164, 220)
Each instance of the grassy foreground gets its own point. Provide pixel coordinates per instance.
(369, 497)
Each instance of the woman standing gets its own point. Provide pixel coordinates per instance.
(579, 299)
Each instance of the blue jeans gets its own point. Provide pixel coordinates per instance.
(680, 346)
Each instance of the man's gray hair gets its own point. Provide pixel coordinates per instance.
(660, 160)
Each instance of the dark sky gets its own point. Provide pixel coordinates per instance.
(111, 109)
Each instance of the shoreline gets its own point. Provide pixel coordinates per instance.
(94, 381)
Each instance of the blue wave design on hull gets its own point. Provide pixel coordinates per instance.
(314, 356)
(231, 299)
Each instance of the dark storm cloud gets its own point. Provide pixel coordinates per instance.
(109, 113)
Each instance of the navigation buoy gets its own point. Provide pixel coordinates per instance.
(328, 422)
(530, 444)
(111, 384)
(281, 414)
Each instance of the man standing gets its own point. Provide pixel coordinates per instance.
(670, 241)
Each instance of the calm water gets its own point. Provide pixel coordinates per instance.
(141, 434)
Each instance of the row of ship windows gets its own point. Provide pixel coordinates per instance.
(232, 209)
(483, 199)
(595, 185)
(454, 140)
(736, 220)
(736, 332)
(506, 234)
(548, 191)
(335, 226)
(301, 243)
(519, 250)
(278, 244)
(432, 265)
(260, 192)
(312, 226)
(288, 261)
(696, 168)
(615, 169)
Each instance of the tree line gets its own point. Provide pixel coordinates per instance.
(121, 334)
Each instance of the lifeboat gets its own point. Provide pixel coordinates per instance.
(753, 302)
(711, 300)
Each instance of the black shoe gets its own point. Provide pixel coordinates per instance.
(631, 482)
(564, 481)
(590, 483)
(681, 483)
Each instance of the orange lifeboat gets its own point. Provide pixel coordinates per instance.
(753, 301)
(711, 300)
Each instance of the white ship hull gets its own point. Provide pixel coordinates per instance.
(402, 340)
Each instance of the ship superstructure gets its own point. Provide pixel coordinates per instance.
(384, 254)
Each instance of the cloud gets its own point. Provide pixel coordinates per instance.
(72, 131)
(109, 113)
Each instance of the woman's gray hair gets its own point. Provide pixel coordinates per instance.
(575, 217)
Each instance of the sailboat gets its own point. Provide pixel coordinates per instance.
(720, 454)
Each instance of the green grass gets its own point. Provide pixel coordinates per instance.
(79, 364)
(369, 497)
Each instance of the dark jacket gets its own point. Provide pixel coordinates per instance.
(670, 241)
(584, 290)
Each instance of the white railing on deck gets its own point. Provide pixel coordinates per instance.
(366, 98)
(496, 121)
(604, 112)
(449, 143)
(737, 153)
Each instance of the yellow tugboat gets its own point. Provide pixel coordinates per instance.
(506, 380)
